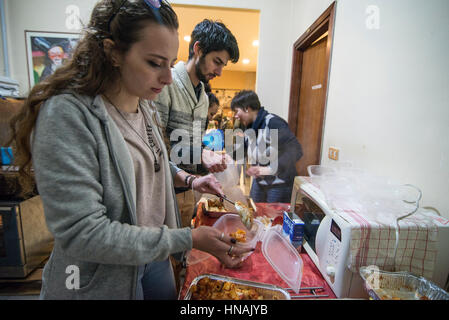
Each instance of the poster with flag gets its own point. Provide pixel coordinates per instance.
(47, 51)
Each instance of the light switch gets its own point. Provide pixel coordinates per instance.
(333, 153)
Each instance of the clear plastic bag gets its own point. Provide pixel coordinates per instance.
(229, 180)
(229, 177)
(378, 198)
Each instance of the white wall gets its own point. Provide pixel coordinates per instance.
(388, 103)
(388, 97)
(273, 71)
(35, 15)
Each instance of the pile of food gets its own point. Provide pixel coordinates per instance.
(400, 295)
(245, 213)
(215, 205)
(239, 235)
(209, 289)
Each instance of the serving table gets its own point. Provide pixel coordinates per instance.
(256, 267)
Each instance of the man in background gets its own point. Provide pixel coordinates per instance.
(273, 179)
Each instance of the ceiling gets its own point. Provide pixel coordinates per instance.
(244, 25)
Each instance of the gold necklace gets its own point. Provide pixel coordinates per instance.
(150, 143)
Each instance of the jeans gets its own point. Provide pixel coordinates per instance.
(157, 282)
(273, 193)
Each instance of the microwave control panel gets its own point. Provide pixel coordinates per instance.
(332, 250)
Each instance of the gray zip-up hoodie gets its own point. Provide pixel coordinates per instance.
(85, 177)
(179, 108)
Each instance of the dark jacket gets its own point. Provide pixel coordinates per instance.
(289, 150)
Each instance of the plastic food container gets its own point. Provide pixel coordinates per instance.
(318, 173)
(230, 223)
(268, 291)
(283, 257)
(384, 285)
(278, 250)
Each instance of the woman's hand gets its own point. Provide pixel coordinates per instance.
(207, 184)
(220, 245)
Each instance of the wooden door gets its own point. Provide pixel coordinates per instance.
(311, 57)
(311, 108)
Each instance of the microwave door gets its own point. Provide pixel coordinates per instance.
(316, 245)
(321, 237)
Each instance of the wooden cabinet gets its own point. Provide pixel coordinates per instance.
(8, 109)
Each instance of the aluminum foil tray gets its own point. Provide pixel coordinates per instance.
(384, 285)
(268, 291)
(211, 212)
(214, 214)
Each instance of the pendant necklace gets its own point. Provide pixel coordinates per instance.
(149, 129)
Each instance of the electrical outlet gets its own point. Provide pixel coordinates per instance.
(333, 153)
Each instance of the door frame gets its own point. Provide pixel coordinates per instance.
(324, 23)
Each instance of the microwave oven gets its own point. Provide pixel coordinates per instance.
(327, 240)
(25, 242)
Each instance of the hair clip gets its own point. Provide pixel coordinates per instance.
(155, 4)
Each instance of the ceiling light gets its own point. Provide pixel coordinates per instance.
(187, 38)
(245, 61)
(256, 43)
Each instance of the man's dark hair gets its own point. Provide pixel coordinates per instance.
(214, 36)
(212, 99)
(245, 99)
(207, 87)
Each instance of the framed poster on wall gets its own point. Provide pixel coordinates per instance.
(46, 51)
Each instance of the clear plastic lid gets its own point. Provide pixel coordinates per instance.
(283, 257)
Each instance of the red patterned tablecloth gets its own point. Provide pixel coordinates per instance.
(256, 267)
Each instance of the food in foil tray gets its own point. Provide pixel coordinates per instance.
(214, 208)
(215, 205)
(384, 285)
(215, 287)
(208, 289)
